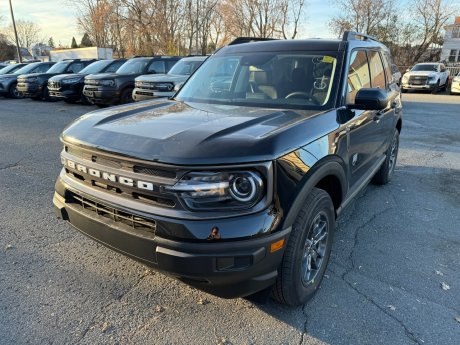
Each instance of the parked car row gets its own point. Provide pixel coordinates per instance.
(99, 82)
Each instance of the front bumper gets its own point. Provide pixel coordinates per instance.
(30, 89)
(65, 92)
(428, 87)
(227, 269)
(455, 87)
(146, 94)
(101, 94)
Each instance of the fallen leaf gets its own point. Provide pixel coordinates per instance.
(445, 286)
(9, 246)
(203, 301)
(439, 273)
(326, 276)
(105, 327)
(391, 307)
(159, 308)
(457, 318)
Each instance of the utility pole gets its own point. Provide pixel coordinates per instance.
(15, 34)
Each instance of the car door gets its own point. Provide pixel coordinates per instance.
(444, 74)
(365, 136)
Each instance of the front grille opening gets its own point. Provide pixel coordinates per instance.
(106, 187)
(154, 200)
(154, 171)
(135, 222)
(78, 176)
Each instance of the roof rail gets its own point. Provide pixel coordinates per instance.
(240, 40)
(353, 35)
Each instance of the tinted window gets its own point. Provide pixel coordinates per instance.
(30, 68)
(134, 66)
(387, 67)
(170, 64)
(95, 67)
(10, 68)
(358, 74)
(60, 67)
(425, 67)
(377, 72)
(279, 79)
(185, 67)
(114, 66)
(76, 67)
(157, 67)
(43, 68)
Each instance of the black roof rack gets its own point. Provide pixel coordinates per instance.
(353, 35)
(240, 40)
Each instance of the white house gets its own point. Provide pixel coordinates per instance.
(451, 48)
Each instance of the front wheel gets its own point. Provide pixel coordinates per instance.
(126, 96)
(436, 89)
(13, 92)
(307, 252)
(384, 174)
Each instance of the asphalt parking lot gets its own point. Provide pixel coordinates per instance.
(394, 275)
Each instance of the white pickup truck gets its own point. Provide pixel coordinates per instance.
(425, 76)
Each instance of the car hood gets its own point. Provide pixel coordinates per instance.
(68, 76)
(196, 133)
(8, 76)
(111, 76)
(158, 78)
(37, 75)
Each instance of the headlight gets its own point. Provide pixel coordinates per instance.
(177, 87)
(405, 78)
(219, 190)
(109, 82)
(70, 80)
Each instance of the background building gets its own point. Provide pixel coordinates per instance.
(451, 47)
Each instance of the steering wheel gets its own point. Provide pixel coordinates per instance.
(302, 95)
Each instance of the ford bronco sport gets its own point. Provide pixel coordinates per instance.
(234, 185)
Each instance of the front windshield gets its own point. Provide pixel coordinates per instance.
(430, 68)
(134, 66)
(59, 67)
(299, 80)
(27, 68)
(10, 68)
(95, 67)
(184, 67)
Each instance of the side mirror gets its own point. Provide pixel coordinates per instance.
(371, 99)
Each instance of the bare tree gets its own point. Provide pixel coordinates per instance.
(28, 33)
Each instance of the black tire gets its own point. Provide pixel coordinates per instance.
(46, 94)
(13, 92)
(102, 105)
(436, 89)
(84, 100)
(296, 283)
(126, 96)
(385, 173)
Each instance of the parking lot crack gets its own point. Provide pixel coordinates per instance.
(304, 332)
(9, 166)
(410, 334)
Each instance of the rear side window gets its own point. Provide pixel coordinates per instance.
(42, 68)
(114, 66)
(157, 67)
(387, 67)
(377, 72)
(358, 74)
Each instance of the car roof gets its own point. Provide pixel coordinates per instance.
(194, 58)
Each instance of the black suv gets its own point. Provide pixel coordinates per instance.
(69, 87)
(116, 88)
(35, 85)
(8, 82)
(234, 185)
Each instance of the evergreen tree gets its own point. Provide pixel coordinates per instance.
(51, 42)
(86, 41)
(74, 43)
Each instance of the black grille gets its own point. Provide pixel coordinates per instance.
(118, 216)
(91, 88)
(54, 85)
(418, 80)
(154, 172)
